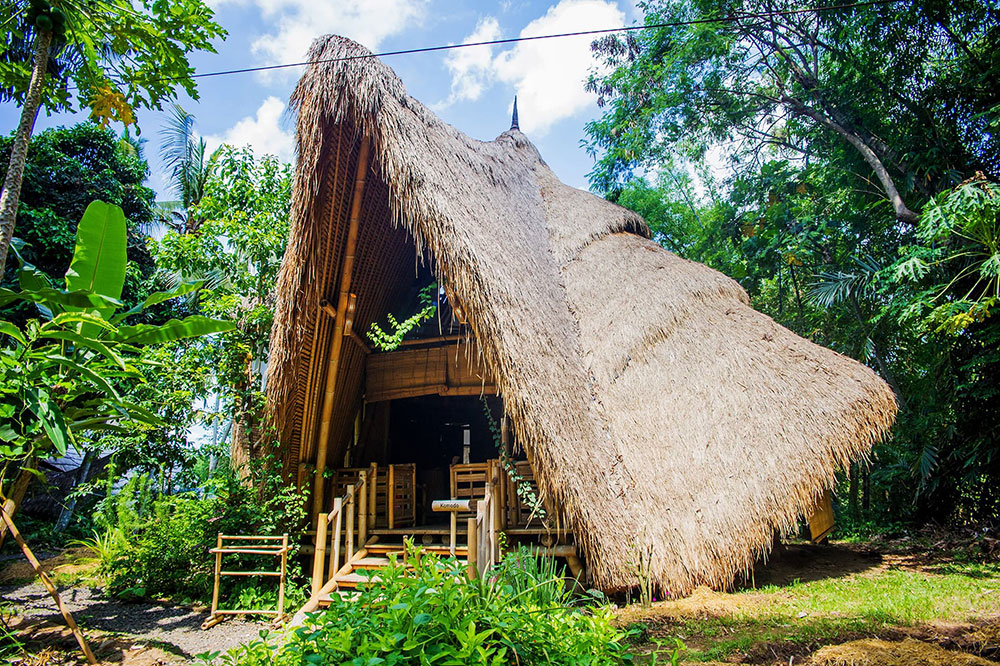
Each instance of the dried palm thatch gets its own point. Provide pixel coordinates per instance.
(656, 406)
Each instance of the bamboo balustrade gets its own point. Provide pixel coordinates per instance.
(349, 520)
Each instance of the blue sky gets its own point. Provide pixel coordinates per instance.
(470, 88)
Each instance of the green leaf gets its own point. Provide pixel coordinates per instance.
(8, 328)
(138, 413)
(86, 343)
(175, 329)
(99, 258)
(81, 317)
(51, 418)
(421, 619)
(160, 296)
(95, 378)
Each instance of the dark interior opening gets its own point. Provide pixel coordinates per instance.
(430, 432)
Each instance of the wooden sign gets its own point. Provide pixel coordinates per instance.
(454, 505)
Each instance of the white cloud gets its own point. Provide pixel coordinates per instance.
(263, 132)
(298, 22)
(547, 75)
(471, 68)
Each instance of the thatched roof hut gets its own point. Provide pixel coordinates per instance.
(655, 405)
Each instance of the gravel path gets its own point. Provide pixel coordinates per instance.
(176, 626)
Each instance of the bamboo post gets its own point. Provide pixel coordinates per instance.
(281, 581)
(453, 532)
(338, 521)
(218, 570)
(337, 341)
(318, 553)
(363, 510)
(36, 565)
(372, 496)
(472, 569)
(350, 522)
(390, 496)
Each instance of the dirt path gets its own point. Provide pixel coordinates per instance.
(134, 633)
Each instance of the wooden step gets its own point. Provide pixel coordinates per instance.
(371, 563)
(386, 548)
(352, 580)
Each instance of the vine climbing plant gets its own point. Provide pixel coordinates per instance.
(390, 341)
(524, 488)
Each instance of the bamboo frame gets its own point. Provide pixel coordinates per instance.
(216, 614)
(53, 592)
(336, 343)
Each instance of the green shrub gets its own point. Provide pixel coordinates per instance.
(433, 614)
(166, 553)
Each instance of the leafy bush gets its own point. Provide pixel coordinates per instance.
(167, 554)
(433, 614)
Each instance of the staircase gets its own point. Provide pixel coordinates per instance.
(369, 559)
(364, 563)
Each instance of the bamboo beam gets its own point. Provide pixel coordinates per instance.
(336, 343)
(37, 566)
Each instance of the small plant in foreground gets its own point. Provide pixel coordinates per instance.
(431, 613)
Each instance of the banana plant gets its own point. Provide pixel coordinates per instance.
(66, 374)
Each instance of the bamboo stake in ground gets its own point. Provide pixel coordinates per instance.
(36, 565)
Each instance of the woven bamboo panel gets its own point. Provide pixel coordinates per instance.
(468, 480)
(439, 370)
(402, 485)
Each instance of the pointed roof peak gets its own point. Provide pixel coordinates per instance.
(513, 119)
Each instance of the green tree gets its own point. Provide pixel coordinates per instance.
(243, 230)
(185, 155)
(111, 56)
(66, 169)
(842, 155)
(64, 376)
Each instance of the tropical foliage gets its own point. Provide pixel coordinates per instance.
(65, 375)
(112, 56)
(859, 206)
(432, 613)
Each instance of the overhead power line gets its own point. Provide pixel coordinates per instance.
(514, 40)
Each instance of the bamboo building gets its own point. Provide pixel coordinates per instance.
(649, 406)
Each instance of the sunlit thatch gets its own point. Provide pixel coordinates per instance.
(657, 407)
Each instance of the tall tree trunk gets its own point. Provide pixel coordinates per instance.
(11, 194)
(903, 213)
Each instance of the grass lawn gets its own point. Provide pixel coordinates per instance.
(816, 596)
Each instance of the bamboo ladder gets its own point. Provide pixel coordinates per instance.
(268, 547)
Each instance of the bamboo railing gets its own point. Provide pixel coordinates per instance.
(349, 522)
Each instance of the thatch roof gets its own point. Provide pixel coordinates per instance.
(657, 407)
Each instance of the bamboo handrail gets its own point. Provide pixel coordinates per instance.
(355, 493)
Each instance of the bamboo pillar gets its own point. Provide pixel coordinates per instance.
(363, 510)
(281, 581)
(338, 522)
(218, 570)
(473, 555)
(350, 522)
(318, 553)
(337, 341)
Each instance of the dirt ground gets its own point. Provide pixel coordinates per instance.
(119, 632)
(759, 622)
